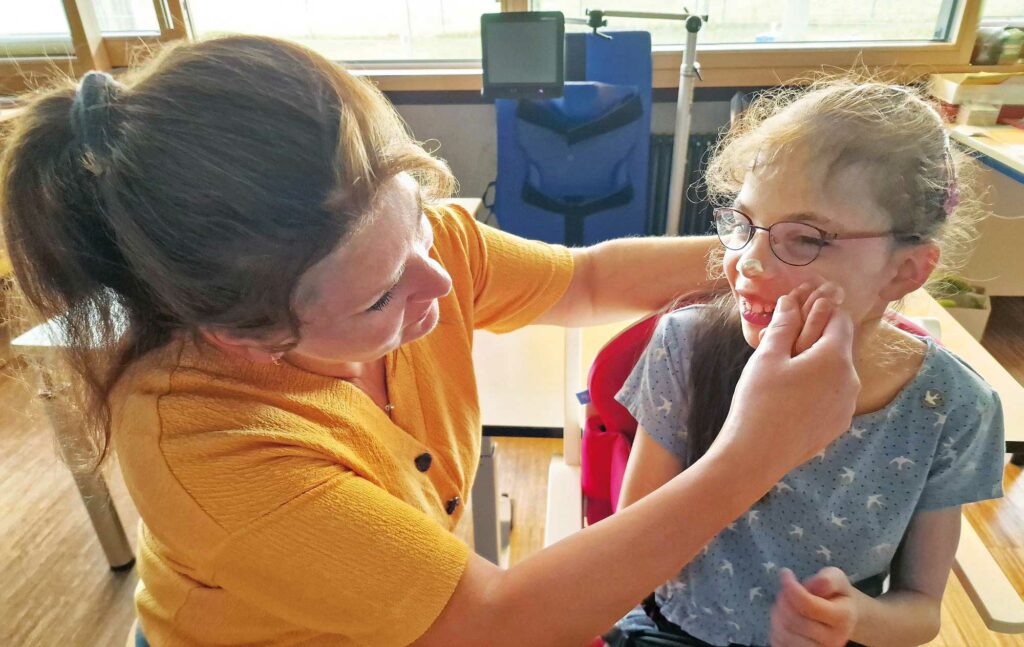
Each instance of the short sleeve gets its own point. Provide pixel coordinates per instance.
(657, 392)
(515, 280)
(968, 464)
(345, 558)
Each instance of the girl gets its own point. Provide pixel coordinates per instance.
(855, 183)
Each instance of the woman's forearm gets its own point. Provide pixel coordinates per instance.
(626, 277)
(572, 591)
(896, 619)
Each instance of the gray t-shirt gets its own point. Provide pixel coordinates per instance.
(938, 444)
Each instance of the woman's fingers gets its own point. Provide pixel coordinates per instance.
(814, 324)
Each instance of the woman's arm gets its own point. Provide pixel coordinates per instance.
(787, 408)
(650, 466)
(622, 278)
(826, 610)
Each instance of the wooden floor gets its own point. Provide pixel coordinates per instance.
(56, 589)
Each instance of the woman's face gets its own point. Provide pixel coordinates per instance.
(798, 191)
(377, 291)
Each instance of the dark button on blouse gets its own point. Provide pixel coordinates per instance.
(423, 461)
(452, 504)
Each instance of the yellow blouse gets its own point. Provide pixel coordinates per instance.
(279, 506)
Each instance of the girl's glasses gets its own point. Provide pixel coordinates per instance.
(793, 243)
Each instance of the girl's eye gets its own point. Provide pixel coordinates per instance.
(381, 302)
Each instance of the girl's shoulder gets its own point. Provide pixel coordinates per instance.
(947, 374)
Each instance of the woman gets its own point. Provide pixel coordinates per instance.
(254, 239)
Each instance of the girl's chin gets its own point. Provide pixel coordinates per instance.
(751, 333)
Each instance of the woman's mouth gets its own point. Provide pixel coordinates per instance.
(758, 313)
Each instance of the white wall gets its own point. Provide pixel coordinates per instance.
(468, 140)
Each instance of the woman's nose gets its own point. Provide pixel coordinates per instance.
(436, 282)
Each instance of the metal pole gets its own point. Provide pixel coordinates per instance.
(688, 71)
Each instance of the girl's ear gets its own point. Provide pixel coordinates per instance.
(229, 343)
(913, 266)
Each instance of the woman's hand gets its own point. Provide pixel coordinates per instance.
(820, 612)
(798, 391)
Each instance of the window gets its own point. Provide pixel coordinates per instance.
(380, 30)
(1003, 11)
(132, 16)
(783, 21)
(37, 28)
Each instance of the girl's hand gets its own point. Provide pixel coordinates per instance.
(819, 612)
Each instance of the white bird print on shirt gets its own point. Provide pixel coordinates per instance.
(752, 516)
(727, 610)
(782, 486)
(821, 455)
(970, 467)
(948, 453)
(733, 624)
(940, 419)
(824, 552)
(881, 548)
(726, 567)
(705, 548)
(900, 461)
(847, 475)
(932, 398)
(756, 593)
(660, 353)
(857, 432)
(875, 500)
(708, 611)
(768, 567)
(666, 406)
(732, 526)
(797, 532)
(839, 522)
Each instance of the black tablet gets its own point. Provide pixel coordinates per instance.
(523, 54)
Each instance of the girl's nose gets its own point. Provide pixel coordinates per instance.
(757, 260)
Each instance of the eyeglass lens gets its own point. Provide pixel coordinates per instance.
(794, 243)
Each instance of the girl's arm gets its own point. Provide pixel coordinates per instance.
(827, 610)
(908, 614)
(650, 466)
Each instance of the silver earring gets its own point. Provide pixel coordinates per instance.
(275, 358)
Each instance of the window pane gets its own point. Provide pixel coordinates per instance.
(1003, 10)
(380, 30)
(37, 28)
(783, 21)
(126, 15)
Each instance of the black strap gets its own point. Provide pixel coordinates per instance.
(536, 113)
(566, 207)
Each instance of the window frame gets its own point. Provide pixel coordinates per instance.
(745, 65)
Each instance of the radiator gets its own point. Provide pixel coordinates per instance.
(696, 216)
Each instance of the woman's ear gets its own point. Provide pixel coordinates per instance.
(247, 348)
(913, 267)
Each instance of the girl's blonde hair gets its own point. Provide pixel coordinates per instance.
(194, 192)
(916, 176)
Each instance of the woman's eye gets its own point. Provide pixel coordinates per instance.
(381, 302)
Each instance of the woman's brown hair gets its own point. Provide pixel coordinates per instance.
(917, 177)
(192, 194)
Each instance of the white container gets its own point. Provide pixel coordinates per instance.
(974, 320)
(978, 87)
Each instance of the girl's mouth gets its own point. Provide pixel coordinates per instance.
(756, 312)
